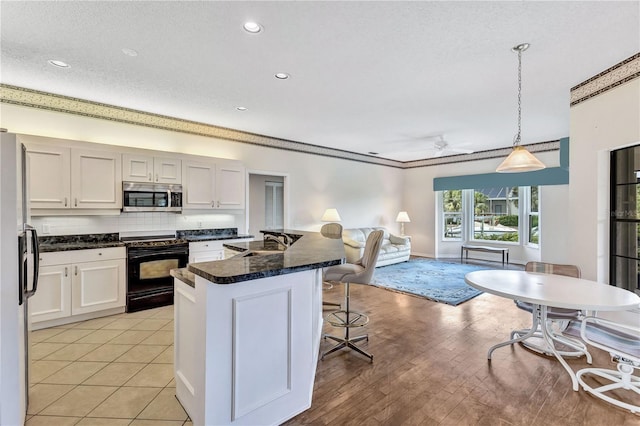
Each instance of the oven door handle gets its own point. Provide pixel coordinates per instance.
(156, 253)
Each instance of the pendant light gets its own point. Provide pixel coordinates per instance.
(520, 160)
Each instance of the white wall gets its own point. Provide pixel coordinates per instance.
(599, 125)
(420, 203)
(554, 240)
(364, 194)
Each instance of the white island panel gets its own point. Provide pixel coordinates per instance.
(247, 352)
(261, 321)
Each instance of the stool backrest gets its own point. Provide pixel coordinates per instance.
(553, 268)
(372, 249)
(331, 230)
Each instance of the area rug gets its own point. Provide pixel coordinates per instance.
(438, 281)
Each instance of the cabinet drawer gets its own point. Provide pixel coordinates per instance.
(205, 246)
(79, 256)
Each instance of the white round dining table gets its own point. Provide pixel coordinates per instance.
(544, 290)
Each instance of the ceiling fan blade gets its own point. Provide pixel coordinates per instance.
(460, 150)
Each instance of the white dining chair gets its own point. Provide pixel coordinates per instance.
(623, 344)
(558, 318)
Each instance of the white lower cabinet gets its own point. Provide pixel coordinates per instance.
(207, 251)
(73, 285)
(97, 285)
(53, 297)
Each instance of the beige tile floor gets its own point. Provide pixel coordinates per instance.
(116, 370)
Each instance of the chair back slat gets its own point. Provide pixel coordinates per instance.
(553, 268)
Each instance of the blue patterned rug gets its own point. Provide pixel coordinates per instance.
(432, 279)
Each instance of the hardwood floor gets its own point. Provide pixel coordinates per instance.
(430, 368)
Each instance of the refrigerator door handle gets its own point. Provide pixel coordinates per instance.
(36, 259)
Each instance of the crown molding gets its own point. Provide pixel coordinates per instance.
(15, 95)
(608, 79)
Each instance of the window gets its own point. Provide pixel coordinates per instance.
(501, 214)
(452, 214)
(495, 212)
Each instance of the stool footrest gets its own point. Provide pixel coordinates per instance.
(344, 318)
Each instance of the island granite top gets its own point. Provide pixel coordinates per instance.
(311, 250)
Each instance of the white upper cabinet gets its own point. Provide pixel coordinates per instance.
(147, 168)
(96, 179)
(230, 186)
(199, 185)
(69, 178)
(49, 176)
(208, 185)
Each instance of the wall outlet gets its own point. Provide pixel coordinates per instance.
(199, 224)
(46, 228)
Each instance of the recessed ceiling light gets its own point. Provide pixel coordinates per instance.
(129, 52)
(241, 108)
(252, 27)
(57, 63)
(282, 76)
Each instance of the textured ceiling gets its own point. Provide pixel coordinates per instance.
(388, 77)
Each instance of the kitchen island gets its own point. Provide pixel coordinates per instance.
(248, 329)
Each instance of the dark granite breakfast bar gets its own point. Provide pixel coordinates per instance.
(266, 258)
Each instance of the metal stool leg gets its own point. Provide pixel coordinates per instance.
(351, 319)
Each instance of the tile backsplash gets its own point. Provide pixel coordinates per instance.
(131, 222)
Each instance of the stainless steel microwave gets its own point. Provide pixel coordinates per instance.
(151, 197)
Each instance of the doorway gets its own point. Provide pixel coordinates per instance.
(267, 199)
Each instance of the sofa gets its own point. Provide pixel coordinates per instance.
(394, 249)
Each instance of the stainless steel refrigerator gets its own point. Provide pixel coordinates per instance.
(18, 280)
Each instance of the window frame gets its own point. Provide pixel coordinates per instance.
(467, 228)
(443, 217)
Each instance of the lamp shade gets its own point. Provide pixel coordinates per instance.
(403, 217)
(520, 160)
(331, 215)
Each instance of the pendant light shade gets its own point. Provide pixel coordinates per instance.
(520, 160)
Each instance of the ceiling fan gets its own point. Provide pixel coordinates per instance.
(424, 147)
(441, 148)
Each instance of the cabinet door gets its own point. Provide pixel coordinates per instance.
(49, 177)
(198, 185)
(96, 179)
(97, 285)
(167, 170)
(137, 168)
(52, 300)
(230, 186)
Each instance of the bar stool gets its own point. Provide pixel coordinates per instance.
(360, 272)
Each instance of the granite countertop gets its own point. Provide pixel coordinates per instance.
(194, 238)
(311, 250)
(193, 235)
(184, 275)
(78, 242)
(95, 241)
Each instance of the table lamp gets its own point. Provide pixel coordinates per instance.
(331, 215)
(403, 218)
